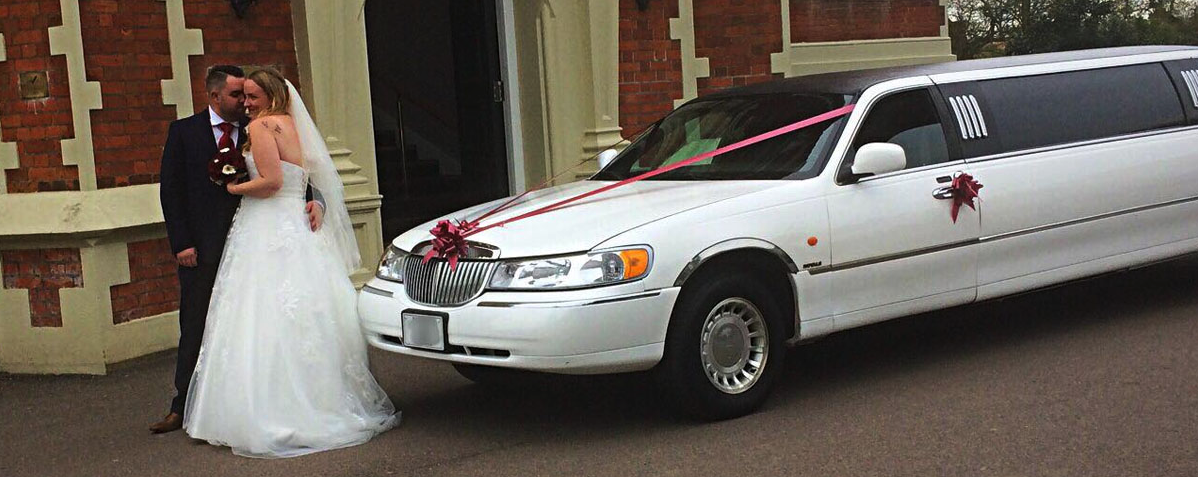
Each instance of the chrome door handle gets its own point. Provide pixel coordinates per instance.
(943, 193)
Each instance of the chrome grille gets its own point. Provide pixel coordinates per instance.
(433, 283)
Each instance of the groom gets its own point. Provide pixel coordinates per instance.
(198, 214)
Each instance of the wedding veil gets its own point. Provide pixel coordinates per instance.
(337, 231)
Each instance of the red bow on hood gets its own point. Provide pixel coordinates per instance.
(449, 242)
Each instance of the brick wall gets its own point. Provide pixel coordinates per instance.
(43, 273)
(263, 37)
(650, 64)
(127, 49)
(737, 38)
(153, 286)
(37, 125)
(842, 20)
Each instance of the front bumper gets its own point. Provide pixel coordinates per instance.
(602, 330)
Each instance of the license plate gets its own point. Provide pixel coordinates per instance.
(424, 331)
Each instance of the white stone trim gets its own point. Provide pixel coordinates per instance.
(8, 150)
(87, 340)
(779, 61)
(87, 213)
(944, 27)
(826, 57)
(184, 42)
(605, 132)
(509, 71)
(67, 39)
(13, 323)
(693, 68)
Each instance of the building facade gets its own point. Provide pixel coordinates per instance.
(426, 105)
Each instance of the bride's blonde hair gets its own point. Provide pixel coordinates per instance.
(275, 87)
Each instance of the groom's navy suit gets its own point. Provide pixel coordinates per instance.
(198, 214)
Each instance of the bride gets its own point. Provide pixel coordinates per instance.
(283, 368)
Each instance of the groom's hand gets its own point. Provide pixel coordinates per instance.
(315, 215)
(186, 258)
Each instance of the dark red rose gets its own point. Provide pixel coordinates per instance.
(227, 166)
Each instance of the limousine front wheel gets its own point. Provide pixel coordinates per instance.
(724, 348)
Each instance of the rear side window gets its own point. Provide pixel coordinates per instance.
(1045, 110)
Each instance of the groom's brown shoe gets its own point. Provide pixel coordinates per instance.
(172, 422)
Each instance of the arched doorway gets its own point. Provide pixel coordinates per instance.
(437, 106)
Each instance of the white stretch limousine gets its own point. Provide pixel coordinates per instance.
(1087, 163)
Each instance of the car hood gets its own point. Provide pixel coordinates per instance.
(582, 225)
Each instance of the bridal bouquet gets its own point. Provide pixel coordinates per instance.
(228, 165)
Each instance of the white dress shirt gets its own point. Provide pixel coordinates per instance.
(216, 132)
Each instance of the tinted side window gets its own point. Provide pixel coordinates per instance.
(1044, 110)
(908, 119)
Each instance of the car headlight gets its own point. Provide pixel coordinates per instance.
(391, 265)
(576, 271)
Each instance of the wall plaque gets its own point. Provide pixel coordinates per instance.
(34, 85)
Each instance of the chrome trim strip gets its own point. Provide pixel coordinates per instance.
(952, 101)
(377, 291)
(739, 243)
(981, 118)
(1092, 142)
(973, 117)
(992, 238)
(1083, 220)
(569, 304)
(886, 258)
(1191, 79)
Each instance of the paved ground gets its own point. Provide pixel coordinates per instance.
(1097, 378)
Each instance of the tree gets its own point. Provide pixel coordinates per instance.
(981, 28)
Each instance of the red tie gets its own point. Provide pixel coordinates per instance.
(226, 137)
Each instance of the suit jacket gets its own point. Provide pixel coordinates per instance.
(198, 212)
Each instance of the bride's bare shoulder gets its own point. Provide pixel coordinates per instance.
(278, 124)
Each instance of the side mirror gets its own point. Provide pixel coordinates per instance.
(879, 158)
(606, 157)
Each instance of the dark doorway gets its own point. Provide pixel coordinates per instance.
(437, 106)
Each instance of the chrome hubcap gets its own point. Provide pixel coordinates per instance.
(734, 345)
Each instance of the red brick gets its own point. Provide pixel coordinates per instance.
(43, 273)
(153, 288)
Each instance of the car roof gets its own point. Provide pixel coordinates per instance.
(854, 82)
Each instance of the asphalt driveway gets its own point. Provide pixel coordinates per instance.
(1096, 378)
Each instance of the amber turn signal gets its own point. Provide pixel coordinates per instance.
(636, 262)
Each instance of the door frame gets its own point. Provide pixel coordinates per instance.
(508, 70)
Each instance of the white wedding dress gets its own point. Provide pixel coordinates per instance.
(283, 368)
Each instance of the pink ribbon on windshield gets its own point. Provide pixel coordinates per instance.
(449, 239)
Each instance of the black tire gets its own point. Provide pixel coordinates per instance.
(681, 372)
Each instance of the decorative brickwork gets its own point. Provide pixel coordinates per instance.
(153, 287)
(842, 20)
(650, 64)
(43, 273)
(36, 125)
(126, 49)
(737, 38)
(263, 38)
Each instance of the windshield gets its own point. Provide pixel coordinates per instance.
(705, 125)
